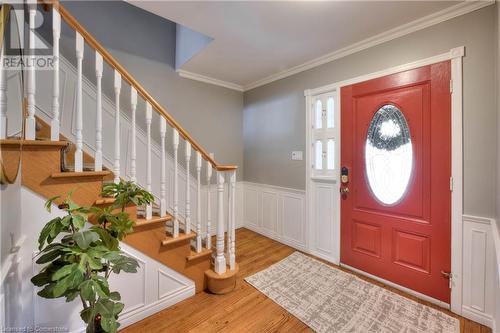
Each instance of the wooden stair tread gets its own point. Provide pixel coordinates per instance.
(195, 255)
(81, 174)
(156, 219)
(37, 143)
(182, 237)
(104, 201)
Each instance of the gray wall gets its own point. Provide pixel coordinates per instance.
(145, 45)
(274, 114)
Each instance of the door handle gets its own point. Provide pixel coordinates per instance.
(344, 190)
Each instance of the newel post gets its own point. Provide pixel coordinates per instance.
(220, 259)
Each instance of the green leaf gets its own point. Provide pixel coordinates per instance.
(72, 295)
(87, 291)
(41, 279)
(66, 220)
(48, 257)
(79, 221)
(87, 315)
(109, 324)
(63, 271)
(85, 238)
(123, 263)
(118, 308)
(48, 203)
(105, 307)
(47, 291)
(109, 241)
(102, 286)
(44, 234)
(71, 281)
(115, 296)
(93, 263)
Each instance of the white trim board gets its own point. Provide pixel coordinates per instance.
(455, 56)
(209, 80)
(446, 14)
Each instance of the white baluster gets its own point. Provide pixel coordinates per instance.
(30, 124)
(3, 97)
(79, 105)
(232, 221)
(198, 202)
(98, 134)
(220, 259)
(149, 116)
(208, 240)
(188, 190)
(175, 142)
(56, 33)
(133, 149)
(163, 180)
(116, 164)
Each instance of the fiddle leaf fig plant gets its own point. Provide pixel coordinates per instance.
(79, 259)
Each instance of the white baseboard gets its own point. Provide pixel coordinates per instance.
(157, 306)
(477, 316)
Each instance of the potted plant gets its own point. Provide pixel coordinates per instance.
(79, 259)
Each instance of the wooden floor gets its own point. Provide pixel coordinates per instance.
(246, 309)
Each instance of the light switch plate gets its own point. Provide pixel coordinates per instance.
(297, 155)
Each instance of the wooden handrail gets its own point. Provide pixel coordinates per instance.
(72, 22)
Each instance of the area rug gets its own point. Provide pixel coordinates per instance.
(329, 300)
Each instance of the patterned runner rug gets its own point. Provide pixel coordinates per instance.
(330, 300)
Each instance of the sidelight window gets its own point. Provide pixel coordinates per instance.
(323, 135)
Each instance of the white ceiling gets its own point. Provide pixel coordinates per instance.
(254, 40)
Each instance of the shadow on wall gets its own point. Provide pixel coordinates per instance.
(10, 237)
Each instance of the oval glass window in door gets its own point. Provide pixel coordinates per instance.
(388, 155)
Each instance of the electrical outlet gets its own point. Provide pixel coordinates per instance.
(297, 155)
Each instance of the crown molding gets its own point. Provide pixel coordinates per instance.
(446, 14)
(210, 80)
(402, 30)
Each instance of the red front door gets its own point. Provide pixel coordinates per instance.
(396, 152)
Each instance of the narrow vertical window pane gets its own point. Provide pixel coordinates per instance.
(330, 108)
(318, 152)
(318, 123)
(330, 153)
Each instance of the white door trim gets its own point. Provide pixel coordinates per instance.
(455, 55)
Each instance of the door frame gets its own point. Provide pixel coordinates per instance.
(455, 55)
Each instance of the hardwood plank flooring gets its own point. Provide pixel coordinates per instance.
(246, 309)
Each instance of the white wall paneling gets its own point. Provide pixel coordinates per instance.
(478, 301)
(323, 213)
(275, 212)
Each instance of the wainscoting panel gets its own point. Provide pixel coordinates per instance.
(276, 212)
(478, 270)
(323, 212)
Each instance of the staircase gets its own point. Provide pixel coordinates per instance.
(53, 165)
